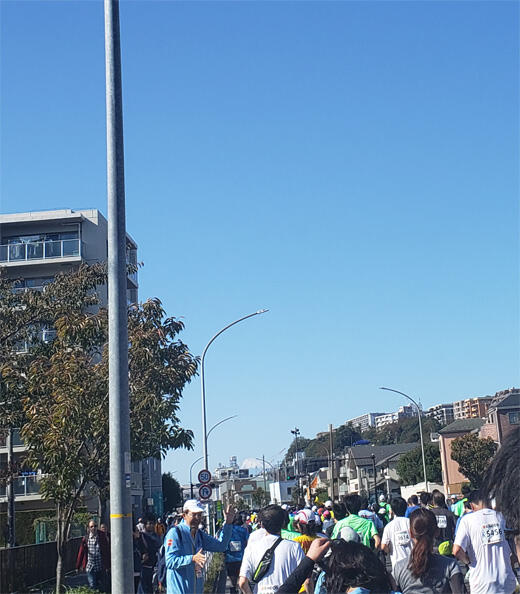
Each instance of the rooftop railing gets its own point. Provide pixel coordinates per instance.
(41, 250)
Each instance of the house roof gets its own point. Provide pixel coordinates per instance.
(509, 401)
(363, 454)
(463, 426)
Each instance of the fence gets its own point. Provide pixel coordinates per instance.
(23, 567)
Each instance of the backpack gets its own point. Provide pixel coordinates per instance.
(265, 562)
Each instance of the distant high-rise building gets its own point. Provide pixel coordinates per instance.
(363, 422)
(471, 408)
(442, 413)
(404, 412)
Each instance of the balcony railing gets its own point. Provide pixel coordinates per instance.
(23, 486)
(41, 250)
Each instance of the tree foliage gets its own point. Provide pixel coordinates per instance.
(473, 456)
(410, 466)
(402, 431)
(172, 493)
(259, 497)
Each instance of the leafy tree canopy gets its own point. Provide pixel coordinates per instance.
(410, 466)
(172, 493)
(403, 431)
(473, 456)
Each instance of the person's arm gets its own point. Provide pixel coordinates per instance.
(300, 575)
(385, 541)
(173, 553)
(377, 541)
(456, 580)
(460, 554)
(243, 584)
(220, 544)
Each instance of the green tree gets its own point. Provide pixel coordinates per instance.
(65, 407)
(410, 466)
(172, 493)
(259, 497)
(403, 431)
(473, 456)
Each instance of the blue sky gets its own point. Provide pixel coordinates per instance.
(352, 166)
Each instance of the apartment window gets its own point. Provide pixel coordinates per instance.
(514, 418)
(289, 489)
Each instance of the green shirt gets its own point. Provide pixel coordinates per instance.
(458, 509)
(289, 534)
(365, 528)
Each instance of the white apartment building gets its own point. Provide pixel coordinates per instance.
(404, 412)
(34, 247)
(442, 413)
(363, 422)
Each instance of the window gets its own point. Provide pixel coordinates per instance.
(289, 489)
(514, 418)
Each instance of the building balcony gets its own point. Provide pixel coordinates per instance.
(15, 254)
(24, 486)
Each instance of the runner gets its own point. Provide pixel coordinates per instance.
(365, 528)
(396, 536)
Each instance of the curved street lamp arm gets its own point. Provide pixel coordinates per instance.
(266, 461)
(220, 423)
(402, 394)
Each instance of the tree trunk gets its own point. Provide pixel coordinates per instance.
(60, 534)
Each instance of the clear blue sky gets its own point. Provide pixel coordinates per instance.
(353, 167)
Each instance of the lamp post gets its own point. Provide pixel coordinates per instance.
(420, 430)
(296, 433)
(264, 461)
(373, 456)
(202, 385)
(191, 481)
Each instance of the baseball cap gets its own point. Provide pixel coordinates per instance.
(349, 534)
(328, 504)
(304, 516)
(193, 505)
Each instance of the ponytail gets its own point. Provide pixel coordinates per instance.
(423, 527)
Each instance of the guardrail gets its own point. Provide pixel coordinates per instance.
(23, 567)
(40, 250)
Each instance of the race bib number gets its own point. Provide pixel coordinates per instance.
(235, 546)
(491, 534)
(442, 521)
(402, 538)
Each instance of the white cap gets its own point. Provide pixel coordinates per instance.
(328, 504)
(285, 506)
(193, 505)
(382, 497)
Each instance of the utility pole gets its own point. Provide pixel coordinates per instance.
(375, 479)
(265, 481)
(331, 463)
(122, 566)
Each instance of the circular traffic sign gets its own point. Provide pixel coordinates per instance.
(205, 492)
(204, 476)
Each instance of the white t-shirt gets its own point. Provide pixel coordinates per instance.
(397, 535)
(481, 535)
(286, 559)
(257, 534)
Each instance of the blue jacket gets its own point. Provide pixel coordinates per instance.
(237, 545)
(179, 550)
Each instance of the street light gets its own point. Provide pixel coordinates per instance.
(263, 461)
(420, 430)
(203, 390)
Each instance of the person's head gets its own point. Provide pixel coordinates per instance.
(364, 502)
(438, 499)
(92, 527)
(423, 528)
(475, 500)
(339, 510)
(352, 565)
(159, 521)
(382, 498)
(353, 503)
(466, 490)
(398, 505)
(192, 513)
(425, 498)
(103, 528)
(375, 507)
(328, 504)
(413, 500)
(304, 522)
(238, 520)
(326, 515)
(273, 518)
(140, 521)
(149, 526)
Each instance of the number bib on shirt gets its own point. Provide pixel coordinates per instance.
(402, 538)
(442, 521)
(491, 533)
(235, 546)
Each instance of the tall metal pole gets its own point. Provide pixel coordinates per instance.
(420, 430)
(375, 480)
(202, 383)
(331, 463)
(191, 481)
(122, 567)
(11, 540)
(265, 480)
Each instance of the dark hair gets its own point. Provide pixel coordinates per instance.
(438, 499)
(501, 481)
(272, 518)
(351, 565)
(309, 529)
(466, 490)
(474, 496)
(238, 520)
(353, 503)
(423, 528)
(425, 498)
(414, 500)
(364, 502)
(339, 510)
(398, 505)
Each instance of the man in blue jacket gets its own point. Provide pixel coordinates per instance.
(184, 549)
